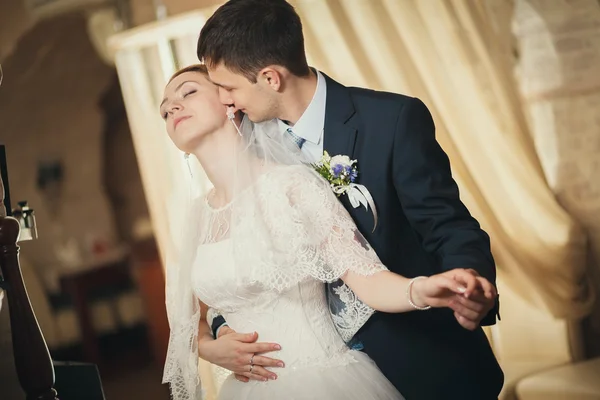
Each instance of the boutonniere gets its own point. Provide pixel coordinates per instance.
(341, 172)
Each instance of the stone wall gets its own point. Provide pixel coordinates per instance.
(559, 51)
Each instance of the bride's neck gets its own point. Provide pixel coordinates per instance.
(216, 154)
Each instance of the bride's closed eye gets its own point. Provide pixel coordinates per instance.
(165, 114)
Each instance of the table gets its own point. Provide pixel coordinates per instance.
(80, 285)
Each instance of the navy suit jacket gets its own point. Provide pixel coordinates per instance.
(423, 229)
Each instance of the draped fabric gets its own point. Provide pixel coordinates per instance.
(445, 53)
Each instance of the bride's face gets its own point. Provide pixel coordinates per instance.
(191, 109)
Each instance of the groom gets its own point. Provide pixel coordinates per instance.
(254, 50)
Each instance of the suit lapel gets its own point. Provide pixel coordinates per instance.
(339, 132)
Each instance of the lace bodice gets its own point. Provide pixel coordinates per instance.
(298, 318)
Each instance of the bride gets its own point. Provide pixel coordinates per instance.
(260, 246)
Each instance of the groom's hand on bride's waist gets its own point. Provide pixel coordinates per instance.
(241, 354)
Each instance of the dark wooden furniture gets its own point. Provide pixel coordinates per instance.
(150, 279)
(32, 359)
(80, 285)
(34, 367)
(78, 381)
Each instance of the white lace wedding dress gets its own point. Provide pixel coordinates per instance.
(318, 364)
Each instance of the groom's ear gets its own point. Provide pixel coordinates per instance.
(271, 77)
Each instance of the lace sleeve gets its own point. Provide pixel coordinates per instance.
(288, 227)
(333, 244)
(339, 248)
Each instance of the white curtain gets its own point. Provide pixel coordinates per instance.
(145, 58)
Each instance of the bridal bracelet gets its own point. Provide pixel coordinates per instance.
(409, 294)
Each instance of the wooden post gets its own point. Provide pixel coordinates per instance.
(32, 358)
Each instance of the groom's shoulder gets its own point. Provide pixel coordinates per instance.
(363, 98)
(375, 98)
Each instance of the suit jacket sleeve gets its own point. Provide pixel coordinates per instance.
(430, 198)
(217, 322)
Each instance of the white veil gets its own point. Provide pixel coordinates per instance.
(285, 225)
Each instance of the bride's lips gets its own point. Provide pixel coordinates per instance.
(178, 120)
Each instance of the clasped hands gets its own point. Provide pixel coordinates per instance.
(468, 294)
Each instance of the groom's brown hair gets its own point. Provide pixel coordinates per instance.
(249, 35)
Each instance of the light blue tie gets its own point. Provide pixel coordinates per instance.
(295, 138)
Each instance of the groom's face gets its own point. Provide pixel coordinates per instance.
(256, 100)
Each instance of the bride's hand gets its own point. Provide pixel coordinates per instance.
(470, 310)
(234, 351)
(440, 289)
(457, 289)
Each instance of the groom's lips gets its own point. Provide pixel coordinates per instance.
(178, 120)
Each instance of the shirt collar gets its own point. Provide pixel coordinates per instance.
(312, 122)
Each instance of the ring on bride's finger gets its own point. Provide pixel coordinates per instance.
(251, 367)
(252, 359)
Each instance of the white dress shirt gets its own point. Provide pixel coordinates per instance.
(311, 124)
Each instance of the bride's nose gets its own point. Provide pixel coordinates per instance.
(174, 107)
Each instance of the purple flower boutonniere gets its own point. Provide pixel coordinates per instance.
(341, 172)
